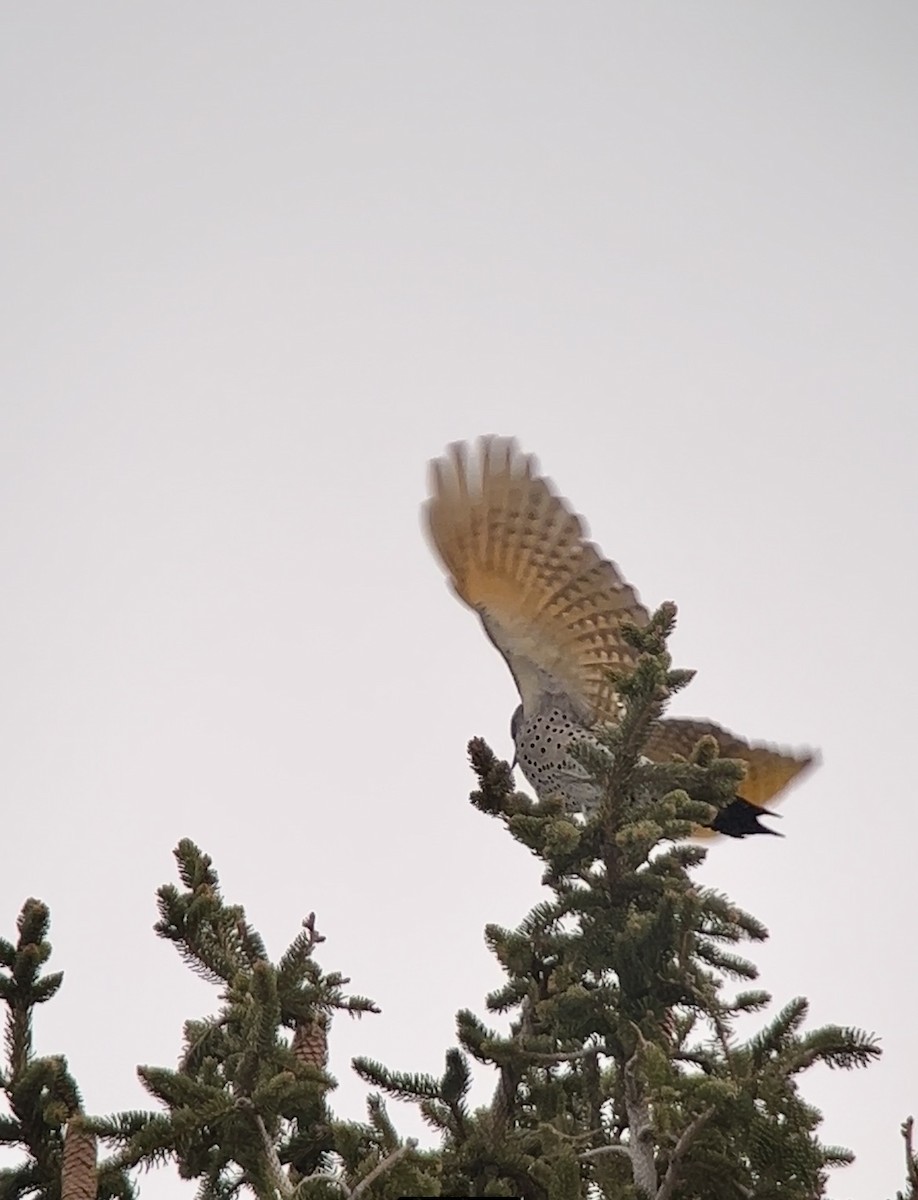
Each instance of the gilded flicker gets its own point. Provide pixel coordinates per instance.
(553, 607)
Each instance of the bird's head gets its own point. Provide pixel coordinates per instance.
(516, 724)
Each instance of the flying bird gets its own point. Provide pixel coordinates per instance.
(553, 606)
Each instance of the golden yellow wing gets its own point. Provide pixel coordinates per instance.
(517, 555)
(769, 769)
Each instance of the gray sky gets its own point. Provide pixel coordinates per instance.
(260, 263)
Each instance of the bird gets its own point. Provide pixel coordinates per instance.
(519, 556)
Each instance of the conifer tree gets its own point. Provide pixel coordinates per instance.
(46, 1109)
(911, 1162)
(246, 1110)
(623, 1074)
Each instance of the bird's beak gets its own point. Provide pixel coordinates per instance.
(513, 763)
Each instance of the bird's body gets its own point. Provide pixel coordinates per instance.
(542, 744)
(554, 607)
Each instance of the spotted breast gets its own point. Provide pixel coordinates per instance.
(542, 751)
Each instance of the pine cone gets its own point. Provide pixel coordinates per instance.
(78, 1170)
(310, 1041)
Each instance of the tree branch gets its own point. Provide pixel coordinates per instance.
(279, 1179)
(599, 1151)
(698, 1060)
(911, 1162)
(380, 1168)
(571, 1056)
(671, 1178)
(640, 1127)
(309, 924)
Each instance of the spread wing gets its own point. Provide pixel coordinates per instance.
(517, 555)
(769, 769)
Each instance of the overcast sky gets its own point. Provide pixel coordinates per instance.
(259, 264)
